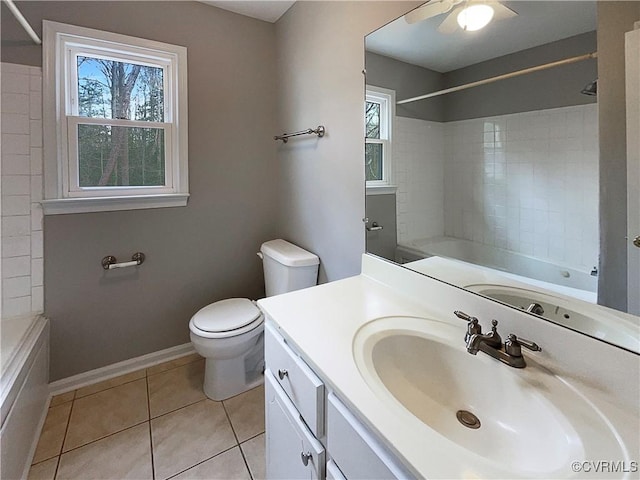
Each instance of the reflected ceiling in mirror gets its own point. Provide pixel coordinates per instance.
(496, 174)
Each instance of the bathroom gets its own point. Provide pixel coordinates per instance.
(248, 81)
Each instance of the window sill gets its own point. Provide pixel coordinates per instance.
(110, 204)
(381, 189)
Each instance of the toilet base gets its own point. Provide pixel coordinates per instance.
(226, 377)
(225, 381)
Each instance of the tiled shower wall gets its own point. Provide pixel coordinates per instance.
(527, 182)
(418, 170)
(21, 235)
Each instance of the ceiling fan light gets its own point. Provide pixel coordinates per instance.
(475, 17)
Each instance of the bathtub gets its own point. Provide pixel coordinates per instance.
(24, 390)
(504, 261)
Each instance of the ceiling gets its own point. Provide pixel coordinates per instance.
(537, 23)
(267, 10)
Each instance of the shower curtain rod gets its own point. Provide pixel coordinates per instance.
(517, 73)
(23, 21)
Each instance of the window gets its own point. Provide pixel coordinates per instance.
(115, 121)
(379, 112)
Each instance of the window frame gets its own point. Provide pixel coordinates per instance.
(63, 193)
(387, 100)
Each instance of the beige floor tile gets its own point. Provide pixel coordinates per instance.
(52, 436)
(246, 412)
(176, 388)
(44, 470)
(178, 362)
(107, 412)
(62, 398)
(125, 455)
(112, 382)
(254, 452)
(183, 438)
(226, 466)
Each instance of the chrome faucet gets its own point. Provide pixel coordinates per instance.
(491, 343)
(535, 308)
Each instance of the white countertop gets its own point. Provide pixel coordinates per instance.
(321, 323)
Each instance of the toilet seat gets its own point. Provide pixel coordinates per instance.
(226, 318)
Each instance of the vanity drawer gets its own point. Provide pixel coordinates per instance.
(292, 452)
(303, 387)
(357, 453)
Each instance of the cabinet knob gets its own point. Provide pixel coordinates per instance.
(305, 458)
(281, 374)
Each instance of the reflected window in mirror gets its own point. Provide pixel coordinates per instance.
(379, 113)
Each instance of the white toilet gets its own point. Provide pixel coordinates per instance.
(229, 333)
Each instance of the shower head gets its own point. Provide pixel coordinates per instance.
(591, 89)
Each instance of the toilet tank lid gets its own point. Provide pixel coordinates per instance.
(288, 254)
(226, 315)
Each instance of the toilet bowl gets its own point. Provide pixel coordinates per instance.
(229, 333)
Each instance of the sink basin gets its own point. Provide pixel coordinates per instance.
(530, 421)
(594, 320)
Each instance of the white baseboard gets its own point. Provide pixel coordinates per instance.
(110, 371)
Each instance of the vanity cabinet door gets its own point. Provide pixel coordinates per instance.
(294, 376)
(292, 450)
(357, 453)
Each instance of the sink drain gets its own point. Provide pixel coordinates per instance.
(468, 419)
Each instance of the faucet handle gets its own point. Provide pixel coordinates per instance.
(464, 316)
(513, 344)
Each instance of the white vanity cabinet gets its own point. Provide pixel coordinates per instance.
(296, 423)
(292, 450)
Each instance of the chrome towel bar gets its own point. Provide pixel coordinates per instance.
(309, 131)
(109, 262)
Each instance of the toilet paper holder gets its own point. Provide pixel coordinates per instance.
(110, 262)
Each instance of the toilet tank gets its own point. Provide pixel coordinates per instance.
(287, 267)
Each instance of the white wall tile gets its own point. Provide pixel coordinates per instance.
(37, 272)
(35, 106)
(36, 161)
(16, 184)
(533, 175)
(18, 226)
(15, 123)
(22, 220)
(35, 83)
(16, 205)
(37, 247)
(16, 246)
(16, 287)
(15, 82)
(16, 267)
(15, 68)
(16, 306)
(36, 217)
(37, 299)
(36, 133)
(36, 188)
(15, 164)
(15, 144)
(15, 103)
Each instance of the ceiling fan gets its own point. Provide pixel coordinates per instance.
(464, 14)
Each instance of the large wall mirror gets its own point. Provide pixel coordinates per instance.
(482, 156)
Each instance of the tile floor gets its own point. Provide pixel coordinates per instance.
(155, 423)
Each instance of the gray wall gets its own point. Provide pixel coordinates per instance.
(614, 19)
(196, 254)
(381, 209)
(320, 49)
(408, 81)
(553, 88)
